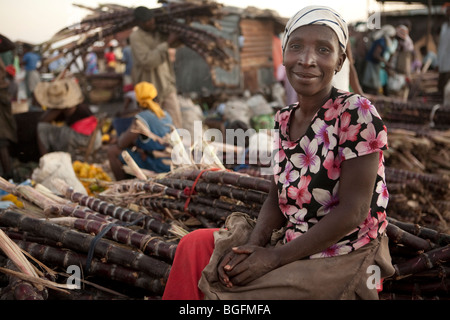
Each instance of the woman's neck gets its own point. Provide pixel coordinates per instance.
(310, 104)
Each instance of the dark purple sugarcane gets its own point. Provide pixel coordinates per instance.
(63, 258)
(78, 241)
(146, 243)
(119, 213)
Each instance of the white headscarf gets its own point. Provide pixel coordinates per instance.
(319, 15)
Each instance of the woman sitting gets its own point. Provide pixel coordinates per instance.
(62, 101)
(143, 149)
(322, 227)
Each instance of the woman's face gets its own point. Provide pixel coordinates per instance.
(312, 56)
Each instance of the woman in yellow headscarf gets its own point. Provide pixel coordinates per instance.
(141, 147)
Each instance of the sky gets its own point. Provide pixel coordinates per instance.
(36, 21)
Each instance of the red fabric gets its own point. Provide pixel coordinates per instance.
(193, 253)
(85, 126)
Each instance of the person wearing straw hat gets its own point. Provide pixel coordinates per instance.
(322, 225)
(62, 100)
(143, 139)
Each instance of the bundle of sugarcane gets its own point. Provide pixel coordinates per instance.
(421, 259)
(129, 233)
(411, 244)
(418, 175)
(118, 245)
(108, 20)
(418, 148)
(413, 112)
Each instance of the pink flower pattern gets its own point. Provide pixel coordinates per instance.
(307, 160)
(307, 171)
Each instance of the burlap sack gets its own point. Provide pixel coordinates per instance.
(341, 277)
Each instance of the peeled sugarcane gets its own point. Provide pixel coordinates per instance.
(82, 242)
(148, 244)
(64, 258)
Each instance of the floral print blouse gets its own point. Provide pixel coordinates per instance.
(307, 170)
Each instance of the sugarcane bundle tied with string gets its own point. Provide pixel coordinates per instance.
(109, 19)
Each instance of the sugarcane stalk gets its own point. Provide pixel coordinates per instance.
(83, 213)
(180, 193)
(145, 243)
(417, 288)
(424, 261)
(226, 177)
(439, 238)
(400, 236)
(211, 188)
(64, 258)
(215, 214)
(82, 242)
(117, 212)
(18, 288)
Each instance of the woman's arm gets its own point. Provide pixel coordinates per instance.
(356, 186)
(269, 218)
(128, 138)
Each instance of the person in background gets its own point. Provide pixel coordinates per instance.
(405, 51)
(147, 152)
(8, 126)
(347, 79)
(63, 102)
(30, 62)
(110, 59)
(376, 59)
(324, 219)
(151, 61)
(443, 51)
(91, 62)
(429, 59)
(127, 59)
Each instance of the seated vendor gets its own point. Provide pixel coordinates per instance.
(143, 149)
(67, 123)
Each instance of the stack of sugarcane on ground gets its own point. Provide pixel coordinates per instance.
(416, 112)
(418, 175)
(124, 238)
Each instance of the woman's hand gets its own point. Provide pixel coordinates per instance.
(245, 264)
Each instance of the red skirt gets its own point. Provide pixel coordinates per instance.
(193, 254)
